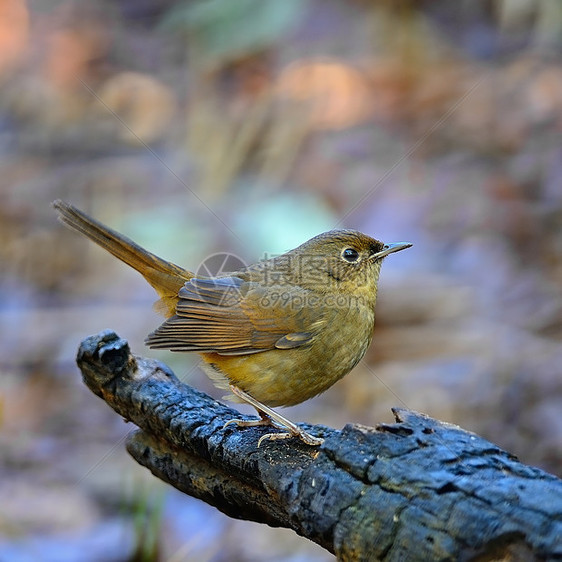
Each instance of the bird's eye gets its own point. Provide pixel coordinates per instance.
(351, 255)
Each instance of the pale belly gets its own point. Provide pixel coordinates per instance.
(284, 377)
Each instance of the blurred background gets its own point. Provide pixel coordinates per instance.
(248, 126)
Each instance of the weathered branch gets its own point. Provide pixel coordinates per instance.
(418, 489)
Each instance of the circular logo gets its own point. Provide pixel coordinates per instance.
(212, 279)
(219, 265)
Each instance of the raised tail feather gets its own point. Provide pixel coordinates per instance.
(166, 277)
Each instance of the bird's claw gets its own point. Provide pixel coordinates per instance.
(272, 418)
(248, 423)
(302, 435)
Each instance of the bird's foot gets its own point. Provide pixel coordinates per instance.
(272, 418)
(301, 434)
(249, 423)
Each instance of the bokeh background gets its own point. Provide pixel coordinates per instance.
(247, 126)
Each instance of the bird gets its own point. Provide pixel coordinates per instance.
(274, 333)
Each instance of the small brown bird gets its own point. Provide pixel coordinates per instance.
(275, 333)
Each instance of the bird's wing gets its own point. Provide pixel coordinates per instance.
(231, 316)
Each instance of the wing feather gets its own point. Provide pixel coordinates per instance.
(231, 316)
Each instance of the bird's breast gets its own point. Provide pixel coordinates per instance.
(284, 377)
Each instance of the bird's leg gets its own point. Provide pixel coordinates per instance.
(264, 420)
(271, 417)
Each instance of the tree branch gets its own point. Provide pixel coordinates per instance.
(418, 489)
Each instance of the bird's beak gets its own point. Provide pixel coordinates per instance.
(390, 249)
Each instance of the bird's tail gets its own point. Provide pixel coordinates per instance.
(166, 277)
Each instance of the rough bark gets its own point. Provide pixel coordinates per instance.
(419, 489)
